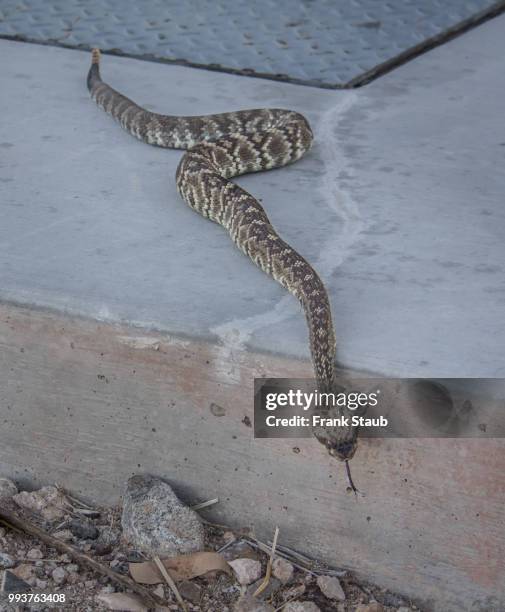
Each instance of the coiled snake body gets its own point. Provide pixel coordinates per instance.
(222, 146)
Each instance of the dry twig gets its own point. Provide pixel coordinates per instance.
(205, 504)
(170, 582)
(268, 573)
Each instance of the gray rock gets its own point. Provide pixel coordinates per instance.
(330, 587)
(156, 522)
(282, 570)
(246, 570)
(6, 561)
(59, 575)
(7, 488)
(35, 553)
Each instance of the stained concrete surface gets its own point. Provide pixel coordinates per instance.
(88, 404)
(398, 206)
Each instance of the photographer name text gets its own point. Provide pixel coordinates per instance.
(320, 421)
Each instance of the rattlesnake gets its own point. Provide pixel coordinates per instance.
(224, 145)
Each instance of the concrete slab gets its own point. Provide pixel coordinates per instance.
(398, 206)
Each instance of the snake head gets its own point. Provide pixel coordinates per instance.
(343, 449)
(341, 441)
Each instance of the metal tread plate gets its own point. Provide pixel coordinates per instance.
(326, 43)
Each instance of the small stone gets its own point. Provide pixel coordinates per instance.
(65, 535)
(24, 571)
(404, 609)
(108, 589)
(156, 522)
(65, 558)
(282, 570)
(35, 553)
(90, 584)
(107, 538)
(41, 584)
(7, 488)
(190, 591)
(49, 502)
(83, 530)
(39, 571)
(59, 575)
(6, 561)
(229, 536)
(373, 606)
(72, 567)
(294, 592)
(49, 566)
(239, 550)
(2, 532)
(246, 570)
(247, 603)
(160, 591)
(73, 578)
(125, 602)
(330, 587)
(301, 606)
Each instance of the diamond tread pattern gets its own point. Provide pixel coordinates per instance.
(316, 42)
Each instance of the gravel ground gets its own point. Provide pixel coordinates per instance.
(98, 533)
